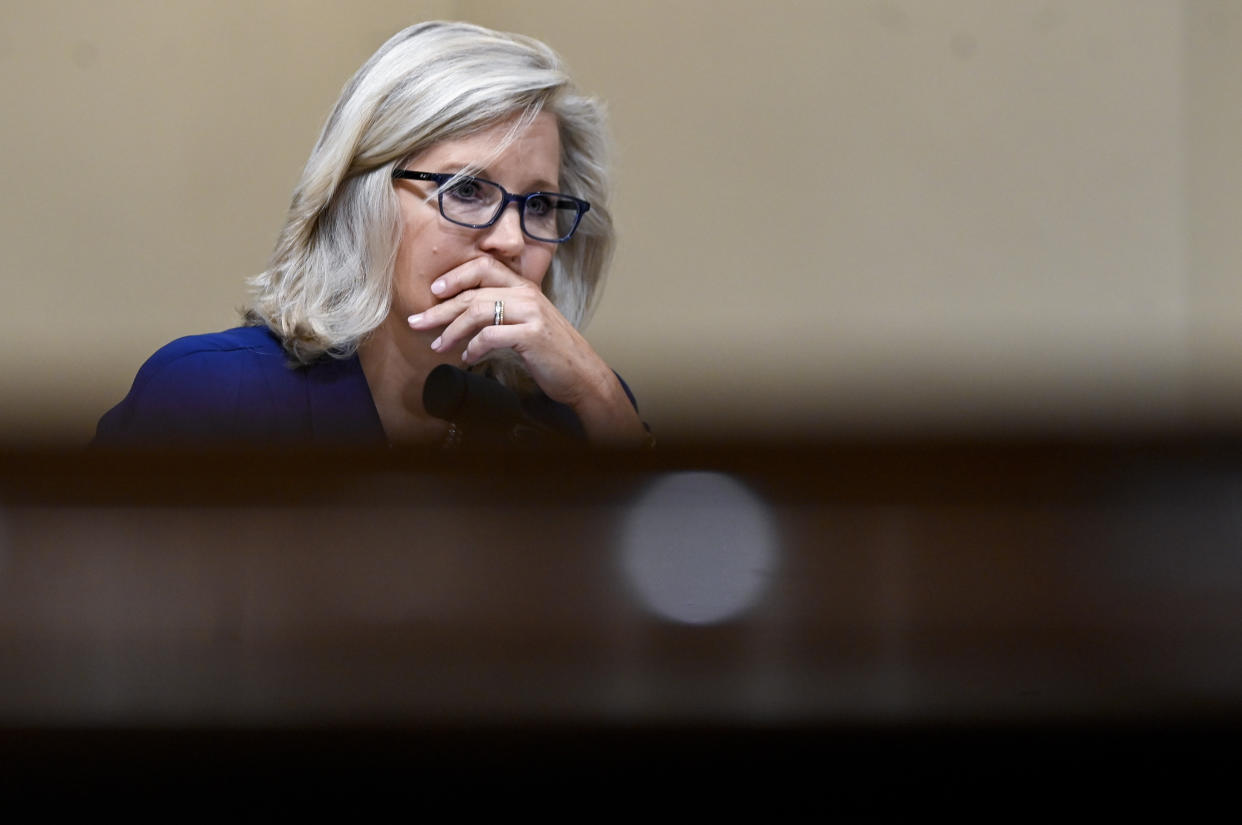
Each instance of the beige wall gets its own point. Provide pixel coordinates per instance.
(918, 214)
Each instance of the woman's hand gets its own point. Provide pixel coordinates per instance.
(561, 361)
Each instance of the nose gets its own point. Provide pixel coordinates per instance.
(504, 238)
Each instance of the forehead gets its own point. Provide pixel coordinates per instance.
(534, 155)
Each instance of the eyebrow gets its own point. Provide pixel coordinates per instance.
(539, 185)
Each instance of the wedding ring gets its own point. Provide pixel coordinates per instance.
(498, 315)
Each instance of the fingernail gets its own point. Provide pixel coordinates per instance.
(435, 344)
(414, 319)
(463, 354)
(438, 286)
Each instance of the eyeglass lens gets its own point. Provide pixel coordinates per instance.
(544, 216)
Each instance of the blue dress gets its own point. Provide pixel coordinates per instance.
(238, 387)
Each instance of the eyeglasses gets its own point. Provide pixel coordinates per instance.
(477, 203)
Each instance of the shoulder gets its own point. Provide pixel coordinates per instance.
(235, 346)
(201, 366)
(194, 388)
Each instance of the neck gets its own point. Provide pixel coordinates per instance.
(396, 361)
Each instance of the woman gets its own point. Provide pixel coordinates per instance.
(453, 211)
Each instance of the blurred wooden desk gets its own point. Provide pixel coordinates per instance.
(413, 606)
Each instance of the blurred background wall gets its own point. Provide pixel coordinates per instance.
(836, 216)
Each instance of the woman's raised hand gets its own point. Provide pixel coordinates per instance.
(560, 360)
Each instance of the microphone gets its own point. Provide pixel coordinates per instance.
(478, 405)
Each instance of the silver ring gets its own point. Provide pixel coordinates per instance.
(498, 314)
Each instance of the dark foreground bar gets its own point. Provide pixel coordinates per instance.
(939, 619)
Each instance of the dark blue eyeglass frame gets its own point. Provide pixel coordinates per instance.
(558, 201)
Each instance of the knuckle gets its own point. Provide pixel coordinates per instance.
(487, 265)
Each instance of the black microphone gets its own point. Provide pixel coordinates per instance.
(478, 405)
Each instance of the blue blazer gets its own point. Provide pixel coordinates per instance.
(238, 387)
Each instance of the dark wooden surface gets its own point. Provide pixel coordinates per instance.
(1046, 602)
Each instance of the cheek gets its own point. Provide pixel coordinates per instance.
(419, 262)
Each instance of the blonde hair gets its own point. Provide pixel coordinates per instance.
(329, 282)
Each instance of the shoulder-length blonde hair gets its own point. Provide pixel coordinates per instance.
(329, 282)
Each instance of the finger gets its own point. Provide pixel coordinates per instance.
(445, 311)
(479, 314)
(483, 271)
(442, 313)
(489, 338)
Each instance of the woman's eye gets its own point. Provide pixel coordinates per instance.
(466, 190)
(538, 205)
